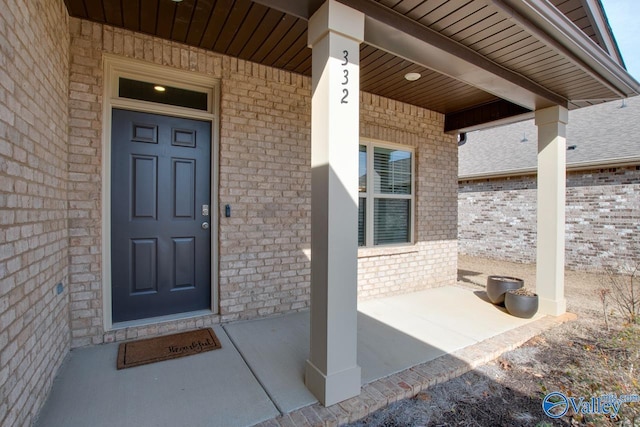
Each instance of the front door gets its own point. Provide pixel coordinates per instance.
(160, 201)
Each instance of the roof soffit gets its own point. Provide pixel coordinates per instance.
(551, 26)
(573, 66)
(402, 36)
(471, 55)
(544, 49)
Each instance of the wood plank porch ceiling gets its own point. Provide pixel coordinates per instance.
(255, 32)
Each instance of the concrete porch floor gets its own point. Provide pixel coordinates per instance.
(405, 343)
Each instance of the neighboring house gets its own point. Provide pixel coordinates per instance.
(497, 189)
(172, 165)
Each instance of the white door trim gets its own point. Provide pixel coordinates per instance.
(115, 67)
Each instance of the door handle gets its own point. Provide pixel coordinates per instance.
(205, 225)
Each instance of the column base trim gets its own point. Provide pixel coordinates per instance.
(552, 307)
(333, 388)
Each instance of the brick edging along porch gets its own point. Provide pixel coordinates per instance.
(410, 382)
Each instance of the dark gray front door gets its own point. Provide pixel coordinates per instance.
(160, 184)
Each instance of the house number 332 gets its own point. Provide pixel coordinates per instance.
(345, 72)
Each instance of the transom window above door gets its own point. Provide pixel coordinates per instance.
(162, 94)
(386, 195)
(138, 85)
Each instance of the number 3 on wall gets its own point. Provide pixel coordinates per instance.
(345, 54)
(345, 91)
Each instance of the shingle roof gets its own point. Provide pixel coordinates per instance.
(601, 134)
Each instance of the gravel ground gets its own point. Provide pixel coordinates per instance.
(579, 358)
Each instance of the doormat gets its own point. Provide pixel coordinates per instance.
(150, 350)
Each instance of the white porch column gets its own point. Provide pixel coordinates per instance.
(552, 151)
(335, 34)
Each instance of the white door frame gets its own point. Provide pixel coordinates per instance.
(114, 68)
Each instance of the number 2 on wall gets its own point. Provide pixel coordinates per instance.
(344, 98)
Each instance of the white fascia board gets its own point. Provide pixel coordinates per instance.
(601, 26)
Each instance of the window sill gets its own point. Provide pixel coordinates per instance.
(386, 251)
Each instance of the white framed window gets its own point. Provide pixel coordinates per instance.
(386, 194)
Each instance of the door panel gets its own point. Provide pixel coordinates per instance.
(144, 265)
(144, 180)
(183, 188)
(160, 178)
(183, 262)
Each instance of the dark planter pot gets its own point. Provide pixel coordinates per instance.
(524, 306)
(498, 285)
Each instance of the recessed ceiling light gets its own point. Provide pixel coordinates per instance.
(159, 88)
(176, 1)
(412, 77)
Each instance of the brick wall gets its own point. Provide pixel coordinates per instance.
(34, 325)
(432, 261)
(497, 218)
(85, 97)
(264, 176)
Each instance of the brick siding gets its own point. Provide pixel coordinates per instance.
(497, 218)
(34, 324)
(432, 261)
(50, 205)
(264, 176)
